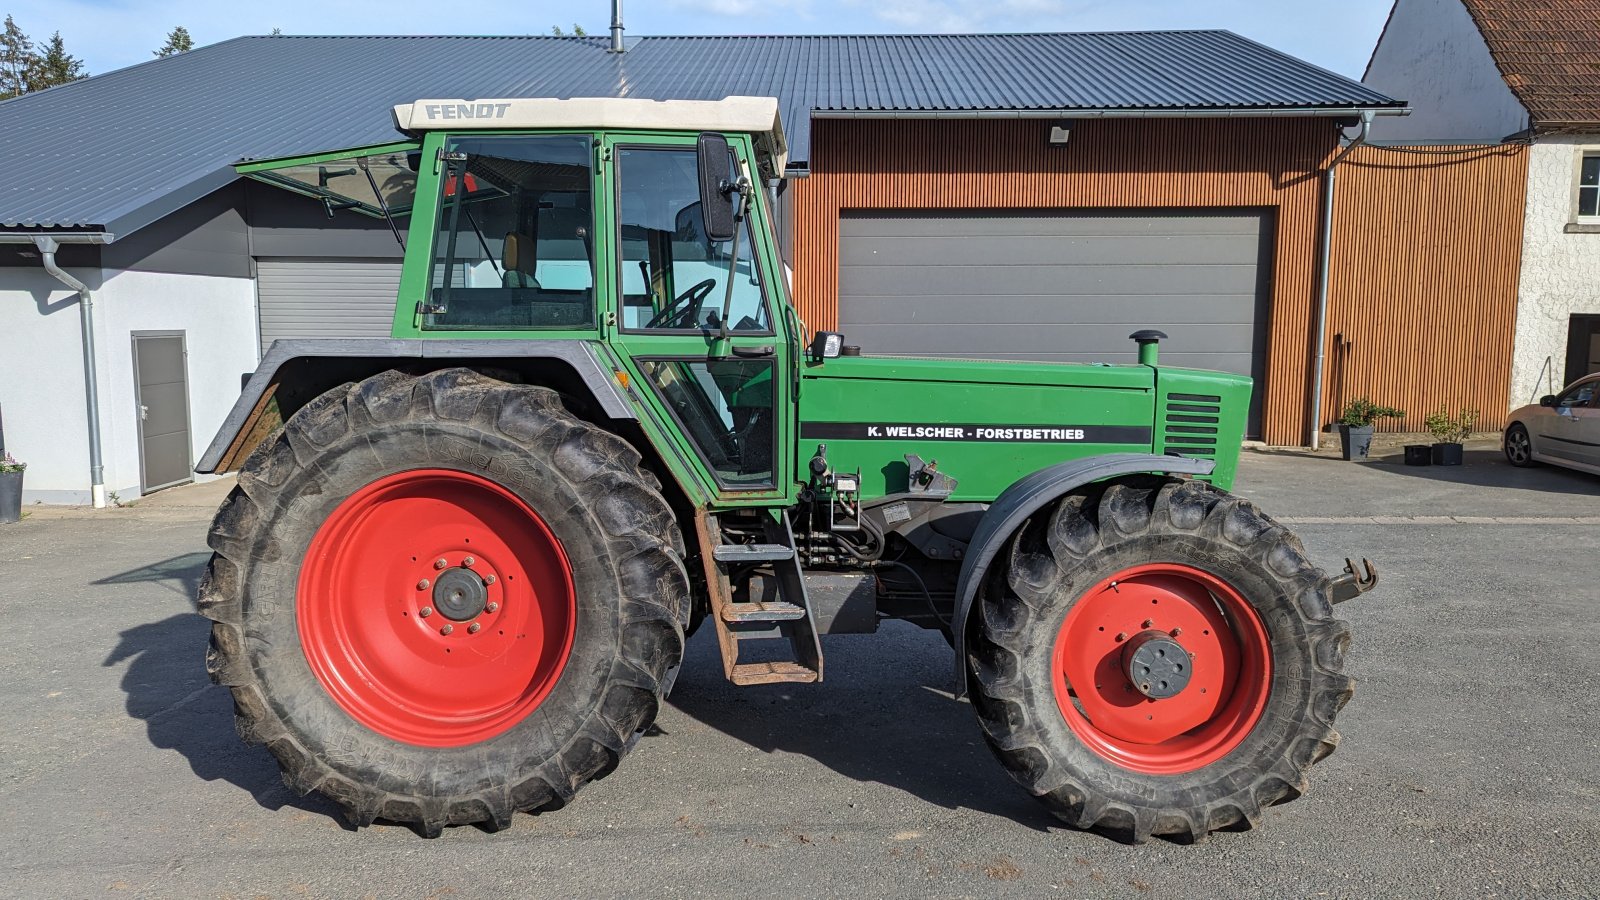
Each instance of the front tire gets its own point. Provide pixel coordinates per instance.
(1518, 446)
(441, 599)
(1158, 658)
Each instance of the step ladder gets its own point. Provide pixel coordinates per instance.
(787, 615)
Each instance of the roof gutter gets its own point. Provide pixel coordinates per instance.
(62, 237)
(47, 245)
(1202, 112)
(1324, 276)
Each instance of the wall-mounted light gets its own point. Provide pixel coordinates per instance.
(1060, 132)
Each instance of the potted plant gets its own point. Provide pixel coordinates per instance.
(1355, 425)
(10, 489)
(1448, 433)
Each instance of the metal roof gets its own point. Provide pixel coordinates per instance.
(120, 150)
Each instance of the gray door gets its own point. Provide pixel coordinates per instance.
(161, 390)
(1058, 285)
(308, 298)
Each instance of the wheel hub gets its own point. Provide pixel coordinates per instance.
(460, 595)
(1156, 665)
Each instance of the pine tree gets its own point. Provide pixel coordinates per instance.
(178, 41)
(55, 66)
(17, 59)
(577, 31)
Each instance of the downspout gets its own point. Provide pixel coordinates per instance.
(47, 253)
(1324, 275)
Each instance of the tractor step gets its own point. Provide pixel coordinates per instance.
(772, 673)
(764, 611)
(746, 553)
(780, 609)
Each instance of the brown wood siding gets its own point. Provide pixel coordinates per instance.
(1423, 302)
(1144, 163)
(1426, 247)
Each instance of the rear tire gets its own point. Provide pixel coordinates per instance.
(319, 623)
(1266, 673)
(1518, 446)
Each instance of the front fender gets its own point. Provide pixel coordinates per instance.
(245, 425)
(1027, 496)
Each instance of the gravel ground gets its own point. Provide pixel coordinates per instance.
(1468, 768)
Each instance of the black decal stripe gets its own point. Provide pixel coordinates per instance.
(1032, 433)
(1571, 441)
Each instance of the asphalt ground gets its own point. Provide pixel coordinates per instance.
(1470, 764)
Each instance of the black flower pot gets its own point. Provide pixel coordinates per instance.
(10, 497)
(1447, 454)
(1419, 455)
(1357, 441)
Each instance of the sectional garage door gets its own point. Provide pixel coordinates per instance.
(1063, 286)
(309, 298)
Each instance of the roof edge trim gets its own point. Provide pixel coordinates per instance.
(1202, 112)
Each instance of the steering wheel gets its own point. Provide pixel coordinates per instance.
(684, 311)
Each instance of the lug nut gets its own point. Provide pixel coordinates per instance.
(1176, 631)
(1148, 623)
(493, 607)
(422, 585)
(473, 628)
(425, 612)
(488, 579)
(448, 629)
(468, 561)
(440, 563)
(1122, 635)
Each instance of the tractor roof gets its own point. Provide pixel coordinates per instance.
(755, 116)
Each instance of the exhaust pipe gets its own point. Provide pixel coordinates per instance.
(616, 26)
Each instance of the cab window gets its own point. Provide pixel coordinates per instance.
(673, 278)
(513, 249)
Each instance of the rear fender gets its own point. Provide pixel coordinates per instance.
(295, 371)
(1027, 496)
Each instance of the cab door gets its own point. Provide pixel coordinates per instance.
(696, 321)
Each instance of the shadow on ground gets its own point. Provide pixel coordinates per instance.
(883, 715)
(168, 689)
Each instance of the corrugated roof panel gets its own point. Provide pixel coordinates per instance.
(106, 152)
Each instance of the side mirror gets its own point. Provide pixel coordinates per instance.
(1547, 400)
(716, 204)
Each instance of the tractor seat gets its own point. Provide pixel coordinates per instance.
(518, 261)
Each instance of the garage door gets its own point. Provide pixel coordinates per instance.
(308, 298)
(1058, 286)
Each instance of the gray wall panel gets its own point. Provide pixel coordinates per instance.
(206, 237)
(1060, 286)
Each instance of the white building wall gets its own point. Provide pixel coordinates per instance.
(41, 384)
(1560, 266)
(1432, 56)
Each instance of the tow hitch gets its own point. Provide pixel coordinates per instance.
(1354, 582)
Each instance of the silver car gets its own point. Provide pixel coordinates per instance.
(1562, 429)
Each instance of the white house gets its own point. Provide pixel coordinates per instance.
(1487, 71)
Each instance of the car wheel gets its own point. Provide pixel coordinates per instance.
(1518, 446)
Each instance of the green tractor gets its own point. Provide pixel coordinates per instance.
(457, 573)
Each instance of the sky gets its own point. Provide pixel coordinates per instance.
(111, 34)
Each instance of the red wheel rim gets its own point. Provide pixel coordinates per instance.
(436, 608)
(1230, 669)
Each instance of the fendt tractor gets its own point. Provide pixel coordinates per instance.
(455, 578)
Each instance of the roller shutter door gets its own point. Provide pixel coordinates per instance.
(1063, 286)
(311, 298)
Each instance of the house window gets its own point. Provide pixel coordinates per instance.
(1589, 187)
